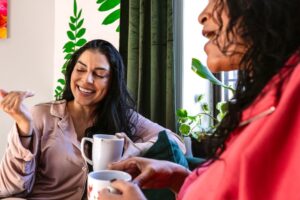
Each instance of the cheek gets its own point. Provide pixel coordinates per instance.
(72, 81)
(103, 87)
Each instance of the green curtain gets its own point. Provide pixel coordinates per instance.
(146, 44)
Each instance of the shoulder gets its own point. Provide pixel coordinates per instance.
(49, 108)
(139, 119)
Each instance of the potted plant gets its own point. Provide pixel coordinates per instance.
(193, 126)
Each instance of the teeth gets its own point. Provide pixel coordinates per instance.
(85, 90)
(210, 35)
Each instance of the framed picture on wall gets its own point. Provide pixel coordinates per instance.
(3, 19)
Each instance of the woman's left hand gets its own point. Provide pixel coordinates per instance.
(128, 190)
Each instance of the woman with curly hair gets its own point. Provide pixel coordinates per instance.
(254, 153)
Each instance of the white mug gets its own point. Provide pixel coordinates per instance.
(106, 149)
(102, 179)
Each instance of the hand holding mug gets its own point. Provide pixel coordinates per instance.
(103, 180)
(127, 190)
(150, 173)
(12, 104)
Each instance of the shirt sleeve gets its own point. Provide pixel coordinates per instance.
(18, 165)
(147, 133)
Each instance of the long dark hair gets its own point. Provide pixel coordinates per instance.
(271, 30)
(116, 112)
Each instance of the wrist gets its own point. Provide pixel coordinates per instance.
(24, 129)
(179, 176)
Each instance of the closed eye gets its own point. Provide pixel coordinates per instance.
(101, 75)
(80, 70)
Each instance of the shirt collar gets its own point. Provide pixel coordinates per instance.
(58, 108)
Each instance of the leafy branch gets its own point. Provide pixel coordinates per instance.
(192, 125)
(76, 40)
(107, 5)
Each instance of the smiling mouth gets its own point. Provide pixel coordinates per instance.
(85, 91)
(209, 34)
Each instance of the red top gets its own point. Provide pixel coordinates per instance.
(262, 159)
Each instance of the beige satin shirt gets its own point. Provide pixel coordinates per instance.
(54, 168)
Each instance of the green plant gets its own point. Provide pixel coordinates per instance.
(193, 125)
(76, 40)
(107, 5)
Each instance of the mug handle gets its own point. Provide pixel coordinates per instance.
(83, 140)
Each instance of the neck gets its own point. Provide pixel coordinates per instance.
(80, 112)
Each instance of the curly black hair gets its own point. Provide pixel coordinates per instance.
(271, 31)
(115, 113)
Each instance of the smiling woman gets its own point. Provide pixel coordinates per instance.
(43, 158)
(3, 19)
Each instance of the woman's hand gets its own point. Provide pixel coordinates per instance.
(128, 191)
(12, 104)
(149, 173)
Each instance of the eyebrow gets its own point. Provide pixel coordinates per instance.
(97, 68)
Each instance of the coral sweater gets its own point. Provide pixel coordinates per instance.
(262, 158)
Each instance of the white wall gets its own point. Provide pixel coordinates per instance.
(26, 57)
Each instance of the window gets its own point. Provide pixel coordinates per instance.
(228, 78)
(189, 43)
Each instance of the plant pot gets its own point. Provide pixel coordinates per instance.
(198, 148)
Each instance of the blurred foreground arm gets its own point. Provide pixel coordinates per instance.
(149, 173)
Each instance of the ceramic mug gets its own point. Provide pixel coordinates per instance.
(105, 149)
(99, 180)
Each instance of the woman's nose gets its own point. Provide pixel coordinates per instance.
(202, 18)
(89, 78)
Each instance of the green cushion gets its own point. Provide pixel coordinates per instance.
(164, 149)
(194, 162)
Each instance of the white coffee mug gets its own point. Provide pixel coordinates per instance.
(99, 180)
(106, 149)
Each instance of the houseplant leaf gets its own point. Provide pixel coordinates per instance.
(204, 72)
(184, 129)
(181, 113)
